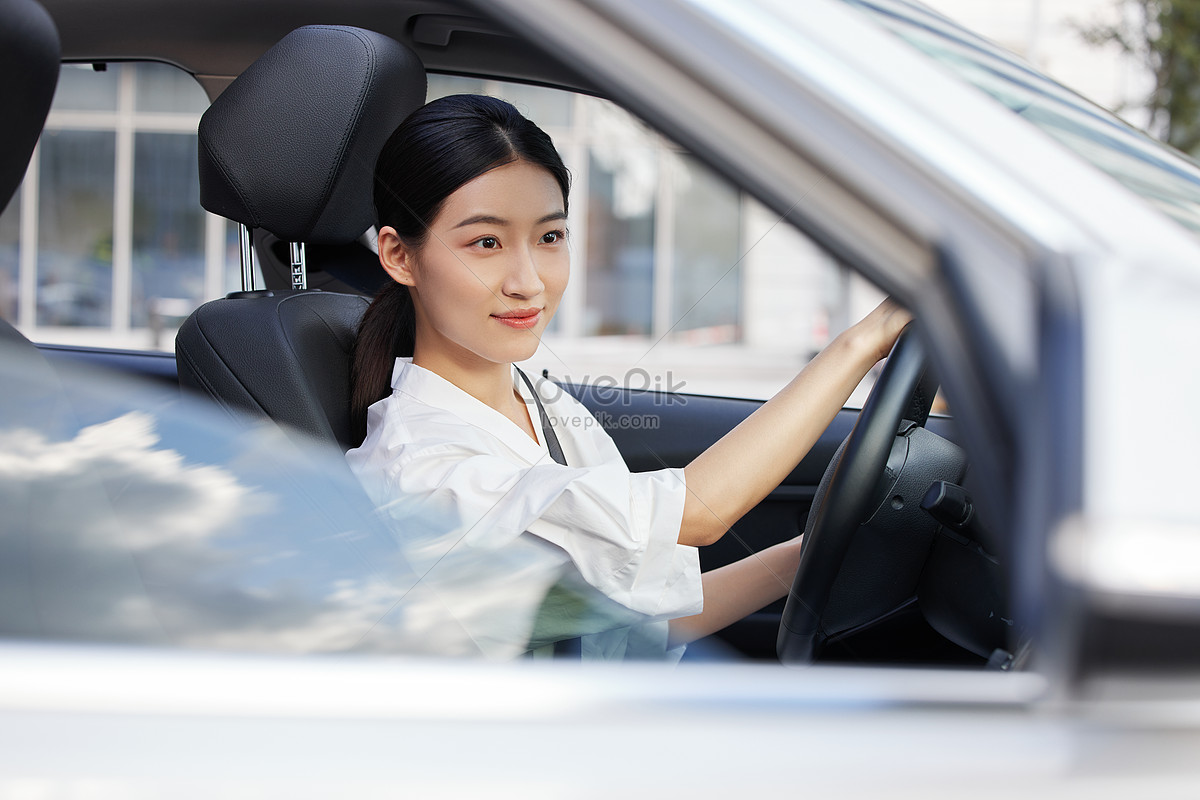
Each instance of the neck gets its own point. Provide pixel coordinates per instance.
(492, 386)
(489, 383)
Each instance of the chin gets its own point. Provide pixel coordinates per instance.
(523, 355)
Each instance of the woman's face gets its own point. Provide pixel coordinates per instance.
(491, 273)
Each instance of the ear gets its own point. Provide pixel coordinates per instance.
(396, 257)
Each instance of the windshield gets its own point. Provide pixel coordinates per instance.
(1161, 175)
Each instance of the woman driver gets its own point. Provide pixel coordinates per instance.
(460, 446)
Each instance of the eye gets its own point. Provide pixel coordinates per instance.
(488, 243)
(553, 237)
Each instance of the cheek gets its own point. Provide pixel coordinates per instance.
(555, 275)
(460, 285)
(450, 292)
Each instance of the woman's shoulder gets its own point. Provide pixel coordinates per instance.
(406, 419)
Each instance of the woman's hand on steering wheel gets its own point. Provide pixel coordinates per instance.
(880, 329)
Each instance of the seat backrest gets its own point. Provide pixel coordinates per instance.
(290, 148)
(281, 354)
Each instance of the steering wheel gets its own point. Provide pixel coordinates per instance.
(844, 496)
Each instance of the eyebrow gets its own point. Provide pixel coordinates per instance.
(488, 219)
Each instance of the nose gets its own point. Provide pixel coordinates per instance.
(522, 280)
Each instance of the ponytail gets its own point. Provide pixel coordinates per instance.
(387, 331)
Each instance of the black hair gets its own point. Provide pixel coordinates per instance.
(438, 148)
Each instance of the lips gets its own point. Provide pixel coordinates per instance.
(521, 318)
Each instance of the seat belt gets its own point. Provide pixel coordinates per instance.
(548, 434)
(568, 648)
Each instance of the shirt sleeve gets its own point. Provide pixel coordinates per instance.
(619, 529)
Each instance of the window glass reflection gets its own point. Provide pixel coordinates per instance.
(75, 228)
(168, 226)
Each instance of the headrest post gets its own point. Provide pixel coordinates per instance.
(247, 260)
(299, 273)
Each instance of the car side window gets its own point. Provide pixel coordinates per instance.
(680, 281)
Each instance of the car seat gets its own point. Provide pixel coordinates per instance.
(289, 148)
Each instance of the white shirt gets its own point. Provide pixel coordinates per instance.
(492, 522)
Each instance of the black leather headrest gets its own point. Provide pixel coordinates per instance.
(290, 145)
(29, 54)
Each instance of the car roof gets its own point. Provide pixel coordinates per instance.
(216, 39)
